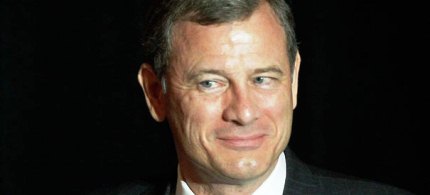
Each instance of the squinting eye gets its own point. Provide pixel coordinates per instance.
(207, 84)
(211, 86)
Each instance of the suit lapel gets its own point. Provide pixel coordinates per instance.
(299, 178)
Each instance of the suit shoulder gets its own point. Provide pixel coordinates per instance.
(304, 178)
(329, 180)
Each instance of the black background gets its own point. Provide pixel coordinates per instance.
(73, 117)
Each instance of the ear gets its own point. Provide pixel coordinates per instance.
(153, 91)
(295, 82)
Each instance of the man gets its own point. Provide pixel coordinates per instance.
(224, 74)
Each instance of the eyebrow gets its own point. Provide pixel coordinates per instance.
(193, 75)
(273, 68)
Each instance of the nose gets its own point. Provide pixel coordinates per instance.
(241, 107)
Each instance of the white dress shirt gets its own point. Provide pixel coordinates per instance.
(273, 185)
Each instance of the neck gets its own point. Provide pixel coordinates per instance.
(207, 183)
(200, 188)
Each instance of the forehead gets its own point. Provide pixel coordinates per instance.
(258, 34)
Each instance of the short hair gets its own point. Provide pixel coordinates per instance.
(158, 20)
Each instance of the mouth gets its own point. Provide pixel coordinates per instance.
(242, 142)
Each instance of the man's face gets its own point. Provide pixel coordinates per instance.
(230, 97)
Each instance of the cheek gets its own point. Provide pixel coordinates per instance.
(198, 116)
(277, 110)
(195, 129)
(276, 106)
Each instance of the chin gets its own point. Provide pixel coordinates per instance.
(246, 169)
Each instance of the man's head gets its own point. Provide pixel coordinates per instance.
(226, 81)
(161, 15)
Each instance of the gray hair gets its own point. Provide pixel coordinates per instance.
(161, 15)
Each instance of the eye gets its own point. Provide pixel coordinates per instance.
(207, 84)
(260, 80)
(266, 82)
(211, 86)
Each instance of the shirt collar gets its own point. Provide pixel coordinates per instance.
(274, 184)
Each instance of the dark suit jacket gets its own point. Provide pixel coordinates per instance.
(301, 179)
